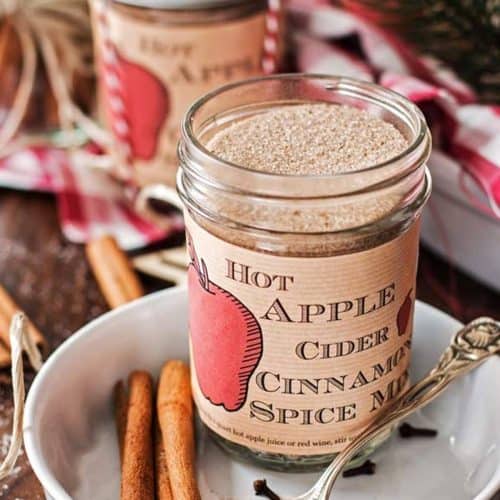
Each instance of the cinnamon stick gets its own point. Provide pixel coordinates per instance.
(175, 415)
(4, 356)
(7, 310)
(162, 479)
(114, 273)
(120, 399)
(137, 482)
(10, 61)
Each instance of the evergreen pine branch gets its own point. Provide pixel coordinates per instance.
(464, 34)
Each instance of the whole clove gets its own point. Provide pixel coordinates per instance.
(262, 490)
(407, 431)
(365, 469)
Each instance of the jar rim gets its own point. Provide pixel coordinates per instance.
(419, 146)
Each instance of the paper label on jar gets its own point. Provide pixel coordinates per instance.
(152, 71)
(297, 355)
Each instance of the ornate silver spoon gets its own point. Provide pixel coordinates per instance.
(472, 345)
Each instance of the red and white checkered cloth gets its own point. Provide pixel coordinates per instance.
(91, 203)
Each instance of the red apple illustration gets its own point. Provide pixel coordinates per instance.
(226, 338)
(404, 314)
(146, 106)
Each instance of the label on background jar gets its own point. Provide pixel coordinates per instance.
(296, 355)
(152, 71)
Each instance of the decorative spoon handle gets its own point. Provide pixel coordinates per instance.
(472, 345)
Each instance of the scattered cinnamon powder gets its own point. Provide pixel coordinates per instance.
(309, 139)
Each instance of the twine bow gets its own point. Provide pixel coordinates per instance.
(55, 34)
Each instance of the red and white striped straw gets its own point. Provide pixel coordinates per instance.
(270, 57)
(115, 102)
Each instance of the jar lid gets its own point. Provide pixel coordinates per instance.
(181, 4)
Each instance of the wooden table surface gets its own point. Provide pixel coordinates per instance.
(50, 279)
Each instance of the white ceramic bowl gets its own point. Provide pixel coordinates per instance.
(71, 443)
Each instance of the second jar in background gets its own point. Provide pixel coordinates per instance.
(155, 57)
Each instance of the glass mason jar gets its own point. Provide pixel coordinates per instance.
(155, 57)
(301, 287)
